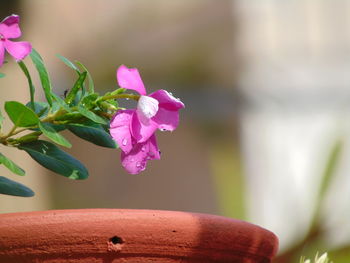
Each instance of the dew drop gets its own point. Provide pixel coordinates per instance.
(143, 148)
(138, 164)
(124, 142)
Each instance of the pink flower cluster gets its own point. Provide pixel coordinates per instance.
(9, 29)
(134, 130)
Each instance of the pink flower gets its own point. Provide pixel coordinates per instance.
(134, 130)
(9, 29)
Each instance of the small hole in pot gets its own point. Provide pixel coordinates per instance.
(116, 240)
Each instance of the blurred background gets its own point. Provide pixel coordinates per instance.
(265, 133)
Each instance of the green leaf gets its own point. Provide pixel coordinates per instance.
(9, 187)
(78, 97)
(1, 119)
(30, 83)
(61, 102)
(11, 165)
(53, 135)
(90, 115)
(328, 175)
(68, 63)
(108, 105)
(116, 92)
(29, 137)
(40, 108)
(2, 75)
(88, 101)
(70, 117)
(91, 82)
(21, 115)
(57, 127)
(43, 74)
(53, 158)
(95, 134)
(77, 86)
(331, 165)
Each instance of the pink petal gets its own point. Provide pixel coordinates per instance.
(142, 131)
(9, 27)
(136, 160)
(120, 129)
(9, 20)
(153, 150)
(2, 53)
(19, 50)
(166, 100)
(167, 119)
(129, 78)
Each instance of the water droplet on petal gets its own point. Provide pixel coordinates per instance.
(138, 164)
(143, 148)
(124, 142)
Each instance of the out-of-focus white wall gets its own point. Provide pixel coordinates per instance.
(297, 83)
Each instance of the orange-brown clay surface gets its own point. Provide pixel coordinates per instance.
(137, 236)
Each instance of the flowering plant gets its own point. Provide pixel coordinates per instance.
(91, 116)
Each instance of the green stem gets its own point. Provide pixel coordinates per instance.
(15, 130)
(121, 96)
(10, 133)
(52, 117)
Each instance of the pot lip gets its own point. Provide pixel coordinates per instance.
(171, 214)
(215, 233)
(121, 211)
(128, 211)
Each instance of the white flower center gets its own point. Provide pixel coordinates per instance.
(147, 108)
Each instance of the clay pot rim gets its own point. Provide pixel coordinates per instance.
(101, 233)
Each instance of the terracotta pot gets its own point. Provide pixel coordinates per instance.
(112, 235)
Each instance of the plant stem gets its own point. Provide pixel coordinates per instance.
(4, 139)
(10, 133)
(121, 96)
